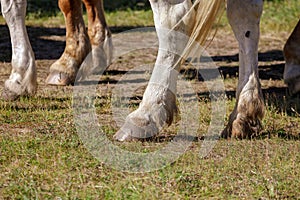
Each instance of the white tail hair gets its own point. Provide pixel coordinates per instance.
(206, 13)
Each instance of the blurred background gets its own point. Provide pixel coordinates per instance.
(279, 15)
(50, 8)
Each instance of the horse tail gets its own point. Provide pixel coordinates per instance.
(207, 11)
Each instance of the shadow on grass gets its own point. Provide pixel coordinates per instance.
(37, 103)
(281, 134)
(162, 138)
(47, 43)
(277, 97)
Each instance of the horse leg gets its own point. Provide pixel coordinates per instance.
(99, 34)
(64, 70)
(292, 57)
(159, 100)
(244, 18)
(22, 80)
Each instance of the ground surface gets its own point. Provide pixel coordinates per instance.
(41, 155)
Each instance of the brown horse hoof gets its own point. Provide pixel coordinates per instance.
(59, 78)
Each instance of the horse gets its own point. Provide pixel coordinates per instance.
(79, 43)
(159, 101)
(194, 19)
(291, 52)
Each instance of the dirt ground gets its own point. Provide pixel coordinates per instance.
(48, 45)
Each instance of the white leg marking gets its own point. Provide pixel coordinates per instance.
(159, 100)
(22, 80)
(244, 18)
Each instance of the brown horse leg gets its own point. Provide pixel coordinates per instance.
(64, 70)
(99, 33)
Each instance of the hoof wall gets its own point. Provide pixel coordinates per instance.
(59, 79)
(8, 95)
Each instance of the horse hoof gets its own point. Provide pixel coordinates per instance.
(8, 95)
(122, 136)
(226, 133)
(59, 78)
(132, 132)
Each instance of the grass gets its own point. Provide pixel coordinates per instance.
(127, 17)
(278, 16)
(43, 157)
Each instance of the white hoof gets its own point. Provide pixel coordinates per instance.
(148, 119)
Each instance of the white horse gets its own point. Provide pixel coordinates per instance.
(159, 101)
(244, 17)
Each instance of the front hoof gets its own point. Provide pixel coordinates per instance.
(59, 79)
(122, 136)
(131, 131)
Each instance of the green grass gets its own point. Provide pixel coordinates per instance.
(42, 157)
(127, 17)
(278, 16)
(130, 18)
(115, 18)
